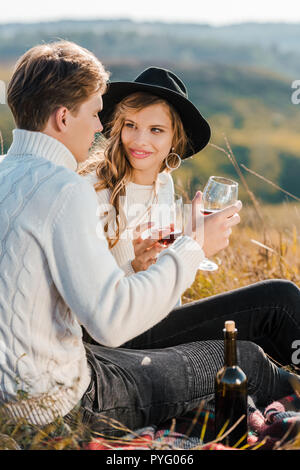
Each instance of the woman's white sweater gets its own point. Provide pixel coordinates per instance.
(138, 199)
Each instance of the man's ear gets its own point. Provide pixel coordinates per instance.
(61, 118)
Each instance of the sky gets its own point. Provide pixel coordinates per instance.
(215, 12)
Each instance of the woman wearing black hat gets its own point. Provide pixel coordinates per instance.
(150, 126)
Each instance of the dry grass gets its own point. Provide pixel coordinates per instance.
(264, 245)
(253, 254)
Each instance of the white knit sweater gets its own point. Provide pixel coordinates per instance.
(56, 272)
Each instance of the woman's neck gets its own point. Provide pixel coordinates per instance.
(143, 178)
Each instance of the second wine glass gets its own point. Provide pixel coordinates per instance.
(218, 193)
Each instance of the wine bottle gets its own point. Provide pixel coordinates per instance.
(231, 394)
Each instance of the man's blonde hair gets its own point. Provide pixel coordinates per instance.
(51, 75)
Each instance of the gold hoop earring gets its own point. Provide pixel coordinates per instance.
(173, 167)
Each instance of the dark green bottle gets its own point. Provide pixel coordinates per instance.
(231, 393)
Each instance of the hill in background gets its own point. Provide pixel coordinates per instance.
(239, 76)
(273, 46)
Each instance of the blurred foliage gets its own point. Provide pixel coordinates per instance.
(274, 46)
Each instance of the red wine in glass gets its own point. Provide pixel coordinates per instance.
(169, 219)
(169, 239)
(208, 212)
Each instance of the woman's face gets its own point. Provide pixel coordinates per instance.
(147, 139)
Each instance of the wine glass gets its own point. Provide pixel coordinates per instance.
(173, 217)
(218, 193)
(163, 218)
(166, 216)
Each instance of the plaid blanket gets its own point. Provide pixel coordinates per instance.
(271, 428)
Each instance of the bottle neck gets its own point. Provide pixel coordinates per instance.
(230, 356)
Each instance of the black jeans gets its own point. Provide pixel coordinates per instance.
(168, 370)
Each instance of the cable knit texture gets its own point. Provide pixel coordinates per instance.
(56, 273)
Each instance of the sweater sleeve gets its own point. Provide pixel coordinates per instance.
(112, 307)
(127, 268)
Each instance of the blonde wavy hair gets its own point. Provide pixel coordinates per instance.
(111, 164)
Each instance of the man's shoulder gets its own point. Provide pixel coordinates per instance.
(38, 173)
(56, 184)
(67, 193)
(60, 177)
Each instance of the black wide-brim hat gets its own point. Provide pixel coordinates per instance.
(167, 85)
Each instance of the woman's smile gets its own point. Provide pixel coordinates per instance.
(139, 153)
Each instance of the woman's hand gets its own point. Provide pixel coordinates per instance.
(146, 250)
(212, 231)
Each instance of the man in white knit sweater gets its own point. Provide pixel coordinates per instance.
(56, 273)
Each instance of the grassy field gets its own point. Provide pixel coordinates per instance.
(256, 252)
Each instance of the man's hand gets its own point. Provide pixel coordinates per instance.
(212, 231)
